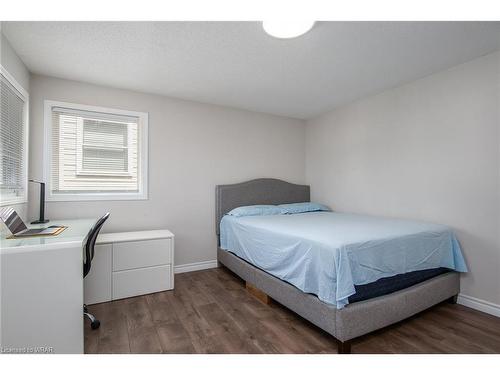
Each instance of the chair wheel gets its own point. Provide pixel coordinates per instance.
(95, 324)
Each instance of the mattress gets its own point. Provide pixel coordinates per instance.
(388, 285)
(333, 254)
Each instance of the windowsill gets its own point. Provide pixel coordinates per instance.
(12, 202)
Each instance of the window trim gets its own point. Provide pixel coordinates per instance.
(142, 194)
(25, 97)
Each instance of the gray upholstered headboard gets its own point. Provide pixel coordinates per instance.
(259, 191)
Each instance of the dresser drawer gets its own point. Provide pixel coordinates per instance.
(130, 255)
(141, 281)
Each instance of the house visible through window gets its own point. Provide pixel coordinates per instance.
(13, 140)
(97, 153)
(106, 148)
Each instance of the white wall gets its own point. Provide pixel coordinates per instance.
(11, 61)
(13, 64)
(428, 150)
(192, 147)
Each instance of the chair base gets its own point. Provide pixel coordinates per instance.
(94, 323)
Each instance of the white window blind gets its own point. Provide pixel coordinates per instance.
(95, 152)
(13, 130)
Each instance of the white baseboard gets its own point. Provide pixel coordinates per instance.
(479, 304)
(189, 267)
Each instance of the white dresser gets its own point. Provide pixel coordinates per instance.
(130, 264)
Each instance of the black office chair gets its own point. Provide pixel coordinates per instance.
(89, 255)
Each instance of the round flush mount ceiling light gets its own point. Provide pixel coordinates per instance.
(285, 29)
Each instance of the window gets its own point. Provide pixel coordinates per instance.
(95, 153)
(13, 141)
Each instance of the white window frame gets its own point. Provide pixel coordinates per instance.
(11, 200)
(143, 154)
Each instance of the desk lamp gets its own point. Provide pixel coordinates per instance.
(41, 219)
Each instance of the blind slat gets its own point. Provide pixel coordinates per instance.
(12, 128)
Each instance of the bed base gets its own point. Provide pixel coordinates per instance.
(344, 347)
(257, 293)
(356, 319)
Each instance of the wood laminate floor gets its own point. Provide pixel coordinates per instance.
(211, 312)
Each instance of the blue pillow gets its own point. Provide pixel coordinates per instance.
(297, 208)
(257, 210)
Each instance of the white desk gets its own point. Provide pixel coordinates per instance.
(42, 290)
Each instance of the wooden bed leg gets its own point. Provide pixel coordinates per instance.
(453, 299)
(344, 347)
(257, 293)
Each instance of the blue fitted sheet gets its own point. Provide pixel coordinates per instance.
(327, 253)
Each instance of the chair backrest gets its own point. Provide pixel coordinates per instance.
(89, 245)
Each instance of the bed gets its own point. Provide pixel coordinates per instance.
(346, 297)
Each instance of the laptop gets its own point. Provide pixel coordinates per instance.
(18, 229)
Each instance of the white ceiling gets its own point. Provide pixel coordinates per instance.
(236, 64)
